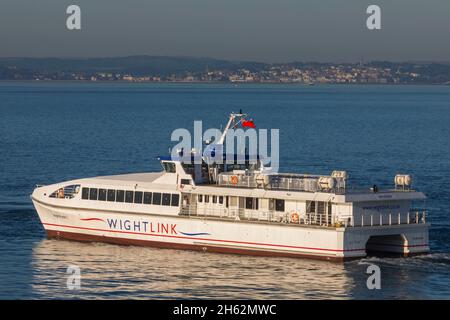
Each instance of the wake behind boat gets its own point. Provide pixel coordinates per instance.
(236, 207)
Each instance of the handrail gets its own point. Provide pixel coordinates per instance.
(311, 219)
(291, 182)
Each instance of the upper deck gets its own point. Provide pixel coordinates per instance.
(335, 184)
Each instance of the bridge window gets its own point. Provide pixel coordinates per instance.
(147, 197)
(68, 192)
(175, 200)
(85, 193)
(214, 199)
(200, 198)
(169, 167)
(102, 194)
(156, 198)
(188, 168)
(138, 197)
(93, 193)
(185, 181)
(207, 198)
(111, 195)
(120, 197)
(221, 199)
(129, 196)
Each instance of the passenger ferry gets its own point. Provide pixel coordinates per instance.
(237, 208)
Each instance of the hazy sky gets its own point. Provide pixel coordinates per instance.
(260, 30)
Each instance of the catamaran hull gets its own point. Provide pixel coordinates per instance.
(233, 236)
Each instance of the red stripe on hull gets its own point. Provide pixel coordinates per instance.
(53, 234)
(205, 239)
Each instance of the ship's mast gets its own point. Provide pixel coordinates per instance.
(231, 121)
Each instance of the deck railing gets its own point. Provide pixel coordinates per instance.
(389, 219)
(308, 219)
(290, 182)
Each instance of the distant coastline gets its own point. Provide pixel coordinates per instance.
(157, 69)
(224, 83)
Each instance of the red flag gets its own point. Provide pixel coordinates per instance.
(248, 124)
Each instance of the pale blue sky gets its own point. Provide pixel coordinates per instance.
(259, 30)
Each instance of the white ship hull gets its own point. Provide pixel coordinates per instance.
(233, 204)
(233, 236)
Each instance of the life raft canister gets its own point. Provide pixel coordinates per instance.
(294, 217)
(234, 179)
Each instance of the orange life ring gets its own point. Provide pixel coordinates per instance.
(294, 217)
(234, 179)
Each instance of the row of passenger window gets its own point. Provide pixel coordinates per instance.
(207, 198)
(250, 203)
(128, 196)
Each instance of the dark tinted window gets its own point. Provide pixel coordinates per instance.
(221, 199)
(206, 198)
(185, 181)
(111, 195)
(312, 207)
(248, 203)
(138, 197)
(169, 167)
(214, 199)
(129, 196)
(147, 197)
(200, 198)
(102, 194)
(93, 192)
(279, 205)
(120, 196)
(175, 200)
(156, 198)
(166, 199)
(85, 193)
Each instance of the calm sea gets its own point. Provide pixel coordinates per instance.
(52, 132)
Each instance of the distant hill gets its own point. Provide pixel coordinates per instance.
(137, 65)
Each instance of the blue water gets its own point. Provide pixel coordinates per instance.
(52, 132)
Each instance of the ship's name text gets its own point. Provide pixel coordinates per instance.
(142, 226)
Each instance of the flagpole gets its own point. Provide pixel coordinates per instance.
(227, 127)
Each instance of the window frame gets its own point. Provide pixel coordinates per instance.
(148, 196)
(137, 195)
(102, 193)
(172, 198)
(156, 195)
(165, 199)
(278, 207)
(120, 196)
(91, 192)
(108, 195)
(127, 199)
(85, 196)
